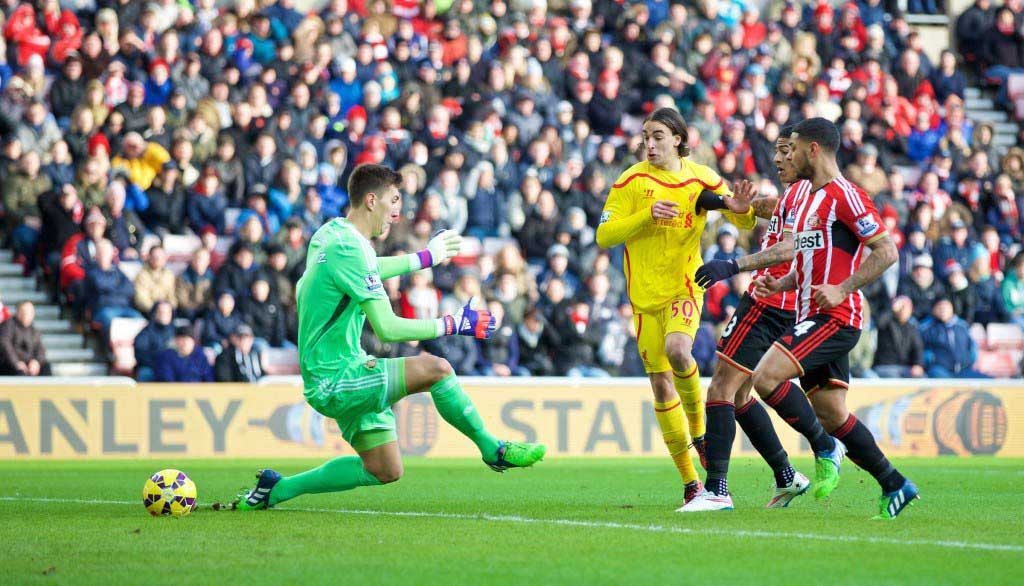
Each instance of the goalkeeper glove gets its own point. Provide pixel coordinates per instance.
(444, 245)
(715, 271)
(478, 323)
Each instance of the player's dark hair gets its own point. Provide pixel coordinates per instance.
(786, 131)
(367, 179)
(671, 118)
(821, 131)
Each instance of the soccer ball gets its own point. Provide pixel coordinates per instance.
(169, 492)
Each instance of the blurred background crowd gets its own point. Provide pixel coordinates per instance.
(168, 161)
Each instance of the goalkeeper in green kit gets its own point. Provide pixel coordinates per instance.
(340, 289)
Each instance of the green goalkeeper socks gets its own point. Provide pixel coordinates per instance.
(336, 475)
(457, 409)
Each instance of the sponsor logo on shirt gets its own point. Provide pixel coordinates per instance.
(810, 240)
(373, 283)
(773, 225)
(678, 222)
(866, 226)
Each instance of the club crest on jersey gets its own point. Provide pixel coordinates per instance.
(866, 226)
(373, 283)
(813, 221)
(809, 240)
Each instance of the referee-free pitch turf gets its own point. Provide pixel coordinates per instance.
(567, 521)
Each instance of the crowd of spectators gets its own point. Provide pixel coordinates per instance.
(125, 123)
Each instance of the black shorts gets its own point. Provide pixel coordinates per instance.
(820, 347)
(751, 331)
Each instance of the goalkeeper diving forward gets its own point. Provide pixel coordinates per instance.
(341, 288)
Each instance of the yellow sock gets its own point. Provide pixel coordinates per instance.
(688, 387)
(670, 419)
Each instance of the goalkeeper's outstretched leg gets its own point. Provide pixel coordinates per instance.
(436, 376)
(373, 435)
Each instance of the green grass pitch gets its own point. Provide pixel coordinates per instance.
(607, 521)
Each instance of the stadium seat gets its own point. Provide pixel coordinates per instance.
(911, 175)
(491, 246)
(130, 268)
(1015, 86)
(122, 343)
(471, 246)
(979, 336)
(231, 219)
(177, 267)
(220, 251)
(280, 361)
(180, 248)
(471, 250)
(148, 241)
(999, 363)
(1005, 337)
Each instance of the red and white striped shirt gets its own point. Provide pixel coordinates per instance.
(832, 227)
(781, 222)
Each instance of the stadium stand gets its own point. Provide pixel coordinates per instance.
(203, 125)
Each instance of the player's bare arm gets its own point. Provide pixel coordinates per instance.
(718, 270)
(764, 207)
(781, 252)
(883, 255)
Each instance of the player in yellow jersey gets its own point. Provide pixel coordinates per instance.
(657, 208)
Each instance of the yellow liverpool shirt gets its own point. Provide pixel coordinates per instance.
(661, 255)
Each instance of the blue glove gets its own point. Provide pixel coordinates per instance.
(478, 323)
(715, 271)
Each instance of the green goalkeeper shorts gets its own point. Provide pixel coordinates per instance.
(359, 398)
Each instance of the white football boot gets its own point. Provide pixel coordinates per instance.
(785, 495)
(706, 501)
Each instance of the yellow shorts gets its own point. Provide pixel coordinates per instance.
(680, 316)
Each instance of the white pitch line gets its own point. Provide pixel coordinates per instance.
(705, 531)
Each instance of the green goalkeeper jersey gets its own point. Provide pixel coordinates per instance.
(341, 273)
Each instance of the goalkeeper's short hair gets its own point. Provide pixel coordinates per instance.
(367, 179)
